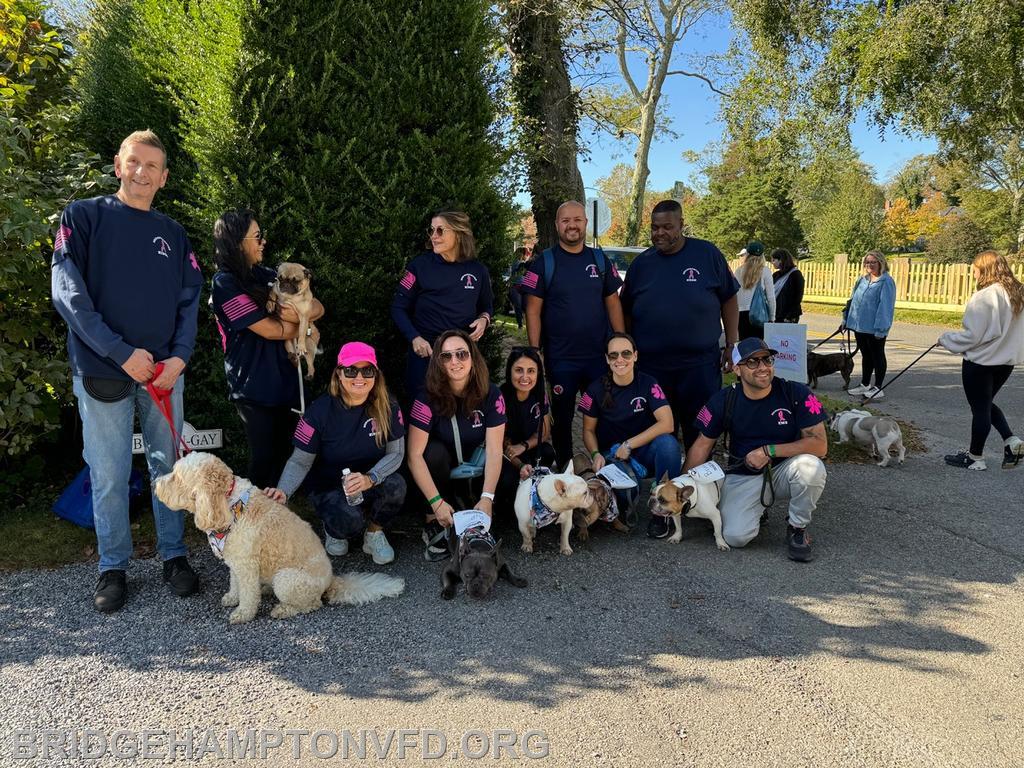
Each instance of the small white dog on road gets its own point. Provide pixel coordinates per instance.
(877, 432)
(263, 543)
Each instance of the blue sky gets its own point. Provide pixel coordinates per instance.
(694, 108)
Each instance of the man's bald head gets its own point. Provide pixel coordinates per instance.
(571, 224)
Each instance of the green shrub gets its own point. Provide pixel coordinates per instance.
(958, 241)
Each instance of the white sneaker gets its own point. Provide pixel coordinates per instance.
(336, 547)
(375, 544)
(860, 389)
(873, 392)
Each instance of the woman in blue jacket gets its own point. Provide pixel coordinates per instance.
(869, 314)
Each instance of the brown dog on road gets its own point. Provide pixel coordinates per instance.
(291, 289)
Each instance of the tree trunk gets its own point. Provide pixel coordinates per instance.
(547, 110)
(640, 174)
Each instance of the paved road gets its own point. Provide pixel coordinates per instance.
(899, 646)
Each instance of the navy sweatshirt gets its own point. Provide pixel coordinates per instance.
(123, 279)
(434, 296)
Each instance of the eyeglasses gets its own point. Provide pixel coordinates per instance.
(439, 231)
(458, 354)
(627, 354)
(260, 235)
(351, 371)
(753, 363)
(869, 263)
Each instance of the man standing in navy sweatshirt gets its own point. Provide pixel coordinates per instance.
(127, 283)
(572, 305)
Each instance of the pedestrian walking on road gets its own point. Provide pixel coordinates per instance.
(992, 342)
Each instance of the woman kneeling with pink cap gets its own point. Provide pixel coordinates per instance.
(355, 426)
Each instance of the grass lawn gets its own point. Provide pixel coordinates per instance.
(915, 316)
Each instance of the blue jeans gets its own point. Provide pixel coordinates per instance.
(107, 437)
(661, 456)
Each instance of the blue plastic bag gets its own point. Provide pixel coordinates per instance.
(75, 504)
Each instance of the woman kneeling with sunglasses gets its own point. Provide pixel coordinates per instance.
(527, 440)
(458, 395)
(355, 426)
(627, 420)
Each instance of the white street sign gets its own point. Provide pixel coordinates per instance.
(196, 439)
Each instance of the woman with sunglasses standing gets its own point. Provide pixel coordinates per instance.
(443, 288)
(869, 314)
(527, 440)
(352, 439)
(262, 382)
(627, 420)
(458, 396)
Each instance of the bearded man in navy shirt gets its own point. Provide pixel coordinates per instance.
(677, 297)
(776, 437)
(569, 314)
(127, 283)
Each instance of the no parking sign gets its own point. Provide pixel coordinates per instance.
(790, 339)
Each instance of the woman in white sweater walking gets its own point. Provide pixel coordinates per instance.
(754, 273)
(992, 342)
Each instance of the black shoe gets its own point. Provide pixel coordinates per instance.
(435, 536)
(1013, 452)
(964, 460)
(111, 591)
(658, 527)
(799, 544)
(179, 574)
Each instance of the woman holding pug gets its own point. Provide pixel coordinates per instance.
(527, 440)
(355, 426)
(458, 407)
(262, 382)
(444, 287)
(869, 314)
(627, 420)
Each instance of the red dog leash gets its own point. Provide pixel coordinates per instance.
(162, 399)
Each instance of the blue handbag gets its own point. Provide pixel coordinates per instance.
(759, 306)
(75, 503)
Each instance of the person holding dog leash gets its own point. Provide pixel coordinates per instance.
(356, 426)
(776, 442)
(261, 379)
(628, 420)
(992, 342)
(458, 418)
(869, 314)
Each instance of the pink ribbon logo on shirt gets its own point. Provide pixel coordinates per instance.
(371, 424)
(468, 281)
(592, 270)
(691, 274)
(638, 404)
(782, 414)
(163, 247)
(478, 419)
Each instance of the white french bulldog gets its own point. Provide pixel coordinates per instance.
(877, 432)
(686, 495)
(558, 495)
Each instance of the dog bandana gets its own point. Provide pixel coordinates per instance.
(542, 514)
(612, 510)
(218, 539)
(477, 538)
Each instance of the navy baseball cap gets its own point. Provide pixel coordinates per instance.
(755, 248)
(748, 347)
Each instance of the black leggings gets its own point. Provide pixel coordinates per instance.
(268, 430)
(872, 351)
(981, 384)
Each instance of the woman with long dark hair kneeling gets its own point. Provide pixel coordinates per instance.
(527, 441)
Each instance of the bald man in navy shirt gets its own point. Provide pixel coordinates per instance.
(127, 283)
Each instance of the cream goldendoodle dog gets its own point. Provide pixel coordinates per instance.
(263, 543)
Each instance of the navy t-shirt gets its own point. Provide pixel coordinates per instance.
(632, 409)
(341, 437)
(141, 284)
(434, 296)
(675, 302)
(574, 319)
(776, 419)
(472, 426)
(524, 417)
(258, 369)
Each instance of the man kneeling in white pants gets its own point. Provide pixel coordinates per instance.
(768, 422)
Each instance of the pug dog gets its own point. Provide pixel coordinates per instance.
(545, 497)
(604, 505)
(685, 496)
(477, 562)
(866, 430)
(291, 289)
(823, 365)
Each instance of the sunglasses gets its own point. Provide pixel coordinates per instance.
(439, 231)
(627, 354)
(753, 363)
(458, 354)
(520, 351)
(260, 235)
(351, 371)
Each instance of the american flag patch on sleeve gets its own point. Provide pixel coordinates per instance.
(704, 416)
(408, 281)
(304, 432)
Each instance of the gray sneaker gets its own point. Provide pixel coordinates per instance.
(335, 547)
(376, 544)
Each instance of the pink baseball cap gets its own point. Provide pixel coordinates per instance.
(356, 352)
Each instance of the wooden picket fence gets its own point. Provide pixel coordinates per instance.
(919, 285)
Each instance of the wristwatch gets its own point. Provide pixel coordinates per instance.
(373, 477)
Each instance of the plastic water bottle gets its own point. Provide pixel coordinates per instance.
(353, 499)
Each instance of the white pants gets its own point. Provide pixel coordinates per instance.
(800, 479)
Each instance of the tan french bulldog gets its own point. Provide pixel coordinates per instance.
(603, 499)
(291, 289)
(685, 496)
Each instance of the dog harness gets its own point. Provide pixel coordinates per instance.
(237, 504)
(476, 539)
(540, 513)
(611, 512)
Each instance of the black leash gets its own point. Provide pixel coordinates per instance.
(890, 381)
(838, 330)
